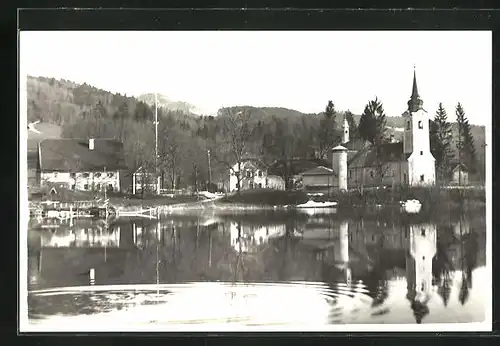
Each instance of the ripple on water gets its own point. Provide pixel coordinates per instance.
(207, 303)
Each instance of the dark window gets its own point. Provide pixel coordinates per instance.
(86, 186)
(420, 124)
(422, 232)
(73, 187)
(260, 185)
(371, 174)
(98, 187)
(249, 174)
(422, 177)
(350, 173)
(408, 125)
(72, 175)
(421, 152)
(110, 187)
(110, 175)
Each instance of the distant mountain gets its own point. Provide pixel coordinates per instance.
(169, 104)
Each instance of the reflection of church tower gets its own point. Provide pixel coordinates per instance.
(421, 250)
(416, 142)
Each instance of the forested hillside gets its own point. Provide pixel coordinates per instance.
(185, 138)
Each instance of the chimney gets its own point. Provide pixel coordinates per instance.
(91, 143)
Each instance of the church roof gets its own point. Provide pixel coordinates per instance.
(297, 166)
(389, 152)
(415, 103)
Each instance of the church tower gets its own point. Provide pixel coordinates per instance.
(416, 142)
(345, 131)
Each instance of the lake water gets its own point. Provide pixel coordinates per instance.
(273, 268)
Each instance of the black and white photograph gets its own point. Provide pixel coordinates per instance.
(255, 181)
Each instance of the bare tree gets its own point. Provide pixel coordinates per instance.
(237, 134)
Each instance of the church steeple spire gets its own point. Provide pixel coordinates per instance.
(415, 103)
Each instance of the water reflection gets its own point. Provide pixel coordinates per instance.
(369, 270)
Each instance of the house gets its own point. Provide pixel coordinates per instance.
(460, 175)
(143, 179)
(253, 175)
(80, 164)
(319, 178)
(406, 162)
(293, 169)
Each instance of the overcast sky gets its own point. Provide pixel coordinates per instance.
(297, 70)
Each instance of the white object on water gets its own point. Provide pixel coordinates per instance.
(411, 206)
(92, 276)
(313, 204)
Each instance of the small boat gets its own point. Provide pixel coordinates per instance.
(312, 204)
(411, 206)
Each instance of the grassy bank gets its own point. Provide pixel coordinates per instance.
(432, 198)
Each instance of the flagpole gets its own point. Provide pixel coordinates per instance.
(156, 145)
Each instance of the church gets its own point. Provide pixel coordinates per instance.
(408, 162)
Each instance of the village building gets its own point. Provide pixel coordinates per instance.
(37, 132)
(79, 164)
(144, 180)
(319, 179)
(460, 175)
(253, 175)
(293, 169)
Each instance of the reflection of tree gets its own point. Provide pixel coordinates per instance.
(442, 265)
(376, 280)
(469, 250)
(420, 310)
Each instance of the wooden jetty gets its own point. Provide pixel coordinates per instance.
(151, 213)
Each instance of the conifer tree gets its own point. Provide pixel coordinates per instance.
(372, 123)
(328, 130)
(465, 142)
(441, 142)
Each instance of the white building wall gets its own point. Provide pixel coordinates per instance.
(421, 165)
(83, 182)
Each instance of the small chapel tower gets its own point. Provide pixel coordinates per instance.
(345, 131)
(417, 147)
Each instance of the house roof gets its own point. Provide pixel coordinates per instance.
(297, 166)
(356, 144)
(74, 155)
(457, 165)
(320, 170)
